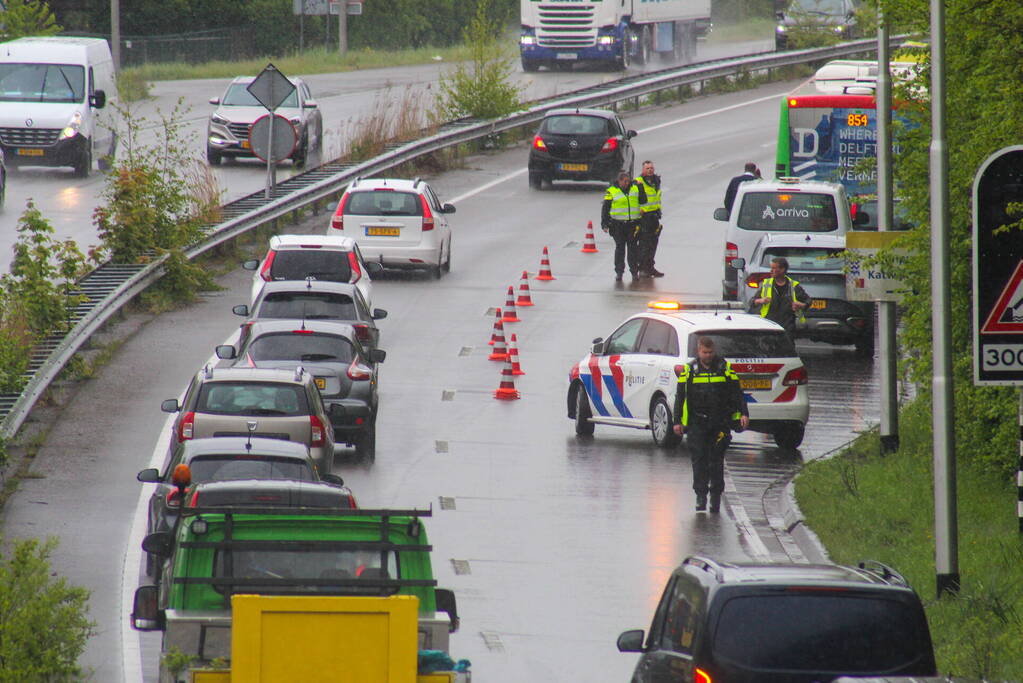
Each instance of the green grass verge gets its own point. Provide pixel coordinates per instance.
(866, 506)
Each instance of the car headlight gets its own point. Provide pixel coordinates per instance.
(606, 40)
(781, 28)
(218, 119)
(839, 29)
(72, 127)
(527, 39)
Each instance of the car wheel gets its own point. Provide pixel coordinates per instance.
(83, 164)
(789, 436)
(366, 443)
(300, 156)
(213, 158)
(643, 56)
(583, 426)
(662, 424)
(447, 262)
(530, 66)
(536, 181)
(625, 61)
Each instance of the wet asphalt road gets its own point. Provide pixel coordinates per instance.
(553, 544)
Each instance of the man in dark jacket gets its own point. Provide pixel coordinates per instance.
(619, 217)
(708, 403)
(751, 173)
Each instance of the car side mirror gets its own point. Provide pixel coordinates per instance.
(241, 309)
(374, 268)
(597, 348)
(737, 263)
(170, 406)
(377, 355)
(447, 208)
(630, 134)
(227, 352)
(379, 314)
(150, 475)
(332, 479)
(146, 614)
(721, 214)
(445, 600)
(311, 104)
(631, 641)
(98, 99)
(214, 100)
(251, 264)
(160, 543)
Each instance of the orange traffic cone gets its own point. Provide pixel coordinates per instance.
(545, 267)
(507, 390)
(524, 298)
(499, 352)
(498, 328)
(590, 246)
(513, 356)
(510, 315)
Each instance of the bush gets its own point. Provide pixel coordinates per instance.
(44, 622)
(16, 341)
(27, 18)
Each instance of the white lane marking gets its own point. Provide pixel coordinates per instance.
(515, 174)
(758, 551)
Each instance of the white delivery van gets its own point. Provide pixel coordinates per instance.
(55, 95)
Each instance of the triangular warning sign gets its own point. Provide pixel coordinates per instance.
(1007, 315)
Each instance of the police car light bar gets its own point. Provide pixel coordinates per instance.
(669, 306)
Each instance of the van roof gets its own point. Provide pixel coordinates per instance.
(55, 50)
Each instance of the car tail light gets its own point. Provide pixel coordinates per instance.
(609, 146)
(795, 378)
(678, 370)
(303, 331)
(754, 280)
(538, 143)
(731, 251)
(337, 221)
(427, 214)
(858, 323)
(264, 272)
(186, 428)
(352, 505)
(173, 501)
(353, 263)
(359, 372)
(362, 333)
(853, 208)
(318, 433)
(701, 676)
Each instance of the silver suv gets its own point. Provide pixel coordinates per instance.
(273, 404)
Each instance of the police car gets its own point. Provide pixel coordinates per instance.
(629, 379)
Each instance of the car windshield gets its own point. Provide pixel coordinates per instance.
(254, 399)
(805, 259)
(238, 96)
(42, 83)
(320, 264)
(383, 203)
(307, 305)
(819, 632)
(788, 212)
(228, 467)
(575, 125)
(818, 6)
(747, 343)
(300, 346)
(347, 565)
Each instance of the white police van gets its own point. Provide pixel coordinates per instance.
(629, 379)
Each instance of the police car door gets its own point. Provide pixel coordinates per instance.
(610, 395)
(651, 370)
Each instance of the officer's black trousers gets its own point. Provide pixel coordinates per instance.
(649, 234)
(626, 246)
(707, 446)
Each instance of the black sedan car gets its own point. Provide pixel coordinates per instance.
(345, 371)
(580, 144)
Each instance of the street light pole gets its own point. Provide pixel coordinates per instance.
(115, 33)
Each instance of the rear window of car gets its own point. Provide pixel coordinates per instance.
(347, 565)
(819, 632)
(747, 343)
(308, 305)
(321, 264)
(803, 259)
(575, 125)
(383, 203)
(300, 347)
(229, 467)
(253, 399)
(788, 212)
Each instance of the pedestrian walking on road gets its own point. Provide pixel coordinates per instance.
(619, 217)
(751, 173)
(781, 298)
(708, 405)
(649, 184)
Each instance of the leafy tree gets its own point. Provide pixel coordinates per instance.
(44, 622)
(27, 18)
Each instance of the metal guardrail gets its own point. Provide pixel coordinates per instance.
(111, 286)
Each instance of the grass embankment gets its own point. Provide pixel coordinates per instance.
(865, 506)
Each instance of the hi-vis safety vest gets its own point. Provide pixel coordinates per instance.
(767, 289)
(624, 207)
(697, 380)
(653, 196)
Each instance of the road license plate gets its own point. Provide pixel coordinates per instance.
(245, 144)
(28, 152)
(755, 383)
(575, 167)
(383, 232)
(818, 304)
(566, 55)
(321, 382)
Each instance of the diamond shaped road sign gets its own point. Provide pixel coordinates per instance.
(271, 87)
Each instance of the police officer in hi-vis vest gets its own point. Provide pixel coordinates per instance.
(619, 217)
(649, 184)
(781, 298)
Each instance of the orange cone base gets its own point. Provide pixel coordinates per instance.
(511, 319)
(521, 301)
(507, 394)
(518, 372)
(545, 276)
(589, 250)
(497, 356)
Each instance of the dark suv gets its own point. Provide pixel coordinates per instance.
(580, 144)
(782, 623)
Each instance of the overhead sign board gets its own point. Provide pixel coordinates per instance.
(998, 269)
(271, 87)
(865, 281)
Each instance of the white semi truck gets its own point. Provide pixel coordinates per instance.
(615, 33)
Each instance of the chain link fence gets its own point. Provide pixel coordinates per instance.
(195, 47)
